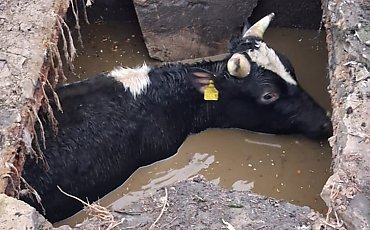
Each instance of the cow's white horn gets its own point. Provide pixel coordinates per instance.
(238, 66)
(259, 28)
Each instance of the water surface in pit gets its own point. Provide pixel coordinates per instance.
(287, 167)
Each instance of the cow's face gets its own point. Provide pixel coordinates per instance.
(262, 93)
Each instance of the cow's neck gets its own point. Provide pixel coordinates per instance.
(184, 106)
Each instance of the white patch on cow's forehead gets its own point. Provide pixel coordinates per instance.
(136, 80)
(268, 59)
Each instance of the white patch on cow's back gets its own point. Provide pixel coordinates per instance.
(268, 59)
(136, 80)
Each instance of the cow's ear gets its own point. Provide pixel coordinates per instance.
(200, 79)
(246, 26)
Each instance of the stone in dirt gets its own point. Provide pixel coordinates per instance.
(17, 215)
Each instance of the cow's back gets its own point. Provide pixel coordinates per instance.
(97, 115)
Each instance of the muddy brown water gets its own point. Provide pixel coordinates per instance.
(285, 167)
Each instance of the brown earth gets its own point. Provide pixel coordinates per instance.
(25, 41)
(347, 192)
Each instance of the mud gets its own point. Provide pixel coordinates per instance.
(107, 45)
(289, 168)
(191, 204)
(245, 161)
(306, 14)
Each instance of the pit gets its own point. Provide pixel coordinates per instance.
(283, 167)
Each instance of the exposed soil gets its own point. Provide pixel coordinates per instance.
(197, 204)
(347, 192)
(24, 44)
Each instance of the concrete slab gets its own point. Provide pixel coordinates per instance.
(180, 29)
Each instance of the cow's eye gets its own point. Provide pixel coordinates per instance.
(269, 97)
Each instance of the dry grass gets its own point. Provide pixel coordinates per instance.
(105, 218)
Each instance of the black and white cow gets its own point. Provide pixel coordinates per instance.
(114, 123)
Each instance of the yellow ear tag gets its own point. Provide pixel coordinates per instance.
(210, 92)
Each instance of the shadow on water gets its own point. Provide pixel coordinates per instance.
(286, 167)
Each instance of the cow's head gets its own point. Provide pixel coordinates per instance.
(261, 92)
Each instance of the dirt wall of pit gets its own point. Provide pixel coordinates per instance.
(29, 33)
(347, 192)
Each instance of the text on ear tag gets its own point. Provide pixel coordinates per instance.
(210, 92)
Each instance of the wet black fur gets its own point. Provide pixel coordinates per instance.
(105, 134)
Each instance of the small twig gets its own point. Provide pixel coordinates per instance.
(104, 216)
(327, 218)
(339, 223)
(228, 225)
(162, 211)
(46, 105)
(334, 226)
(132, 227)
(11, 181)
(335, 191)
(74, 7)
(65, 44)
(113, 225)
(39, 154)
(55, 96)
(127, 212)
(34, 192)
(69, 53)
(56, 52)
(37, 145)
(199, 199)
(42, 130)
(11, 166)
(74, 197)
(52, 70)
(85, 13)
